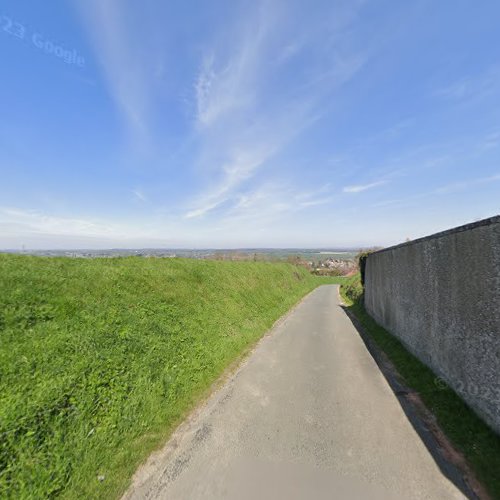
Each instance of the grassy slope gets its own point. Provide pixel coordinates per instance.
(479, 444)
(99, 359)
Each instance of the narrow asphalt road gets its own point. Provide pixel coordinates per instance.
(307, 415)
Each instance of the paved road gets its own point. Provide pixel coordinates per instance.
(307, 415)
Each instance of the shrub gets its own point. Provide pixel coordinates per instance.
(353, 288)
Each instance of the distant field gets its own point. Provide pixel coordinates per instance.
(251, 253)
(100, 358)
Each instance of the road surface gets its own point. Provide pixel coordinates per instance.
(307, 415)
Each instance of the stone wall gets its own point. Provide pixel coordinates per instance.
(440, 295)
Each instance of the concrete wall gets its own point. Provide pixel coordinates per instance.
(440, 295)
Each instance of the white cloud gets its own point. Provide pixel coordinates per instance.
(34, 221)
(491, 141)
(462, 185)
(456, 90)
(316, 202)
(199, 212)
(230, 72)
(139, 195)
(452, 187)
(220, 92)
(320, 196)
(240, 168)
(290, 50)
(363, 187)
(472, 87)
(271, 203)
(242, 128)
(37, 229)
(127, 69)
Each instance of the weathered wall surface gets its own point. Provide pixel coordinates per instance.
(440, 295)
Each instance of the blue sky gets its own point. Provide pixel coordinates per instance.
(246, 123)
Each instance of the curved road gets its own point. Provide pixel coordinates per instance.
(307, 415)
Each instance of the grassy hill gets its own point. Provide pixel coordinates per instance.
(100, 358)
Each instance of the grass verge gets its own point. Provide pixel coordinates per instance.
(101, 358)
(469, 434)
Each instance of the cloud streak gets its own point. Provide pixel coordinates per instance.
(244, 124)
(139, 195)
(462, 185)
(470, 87)
(34, 221)
(112, 29)
(359, 188)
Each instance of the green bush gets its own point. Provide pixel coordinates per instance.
(361, 258)
(353, 289)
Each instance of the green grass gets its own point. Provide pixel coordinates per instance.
(101, 358)
(479, 444)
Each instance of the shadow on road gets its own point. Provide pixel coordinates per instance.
(407, 400)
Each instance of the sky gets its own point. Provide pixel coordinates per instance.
(233, 124)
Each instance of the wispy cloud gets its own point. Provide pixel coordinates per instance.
(450, 188)
(240, 167)
(228, 81)
(244, 123)
(272, 202)
(471, 86)
(35, 221)
(456, 90)
(491, 141)
(216, 91)
(316, 202)
(139, 195)
(462, 185)
(320, 196)
(124, 60)
(226, 89)
(38, 229)
(363, 187)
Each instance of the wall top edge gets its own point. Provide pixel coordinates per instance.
(459, 229)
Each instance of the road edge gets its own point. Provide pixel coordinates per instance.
(148, 469)
(447, 457)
